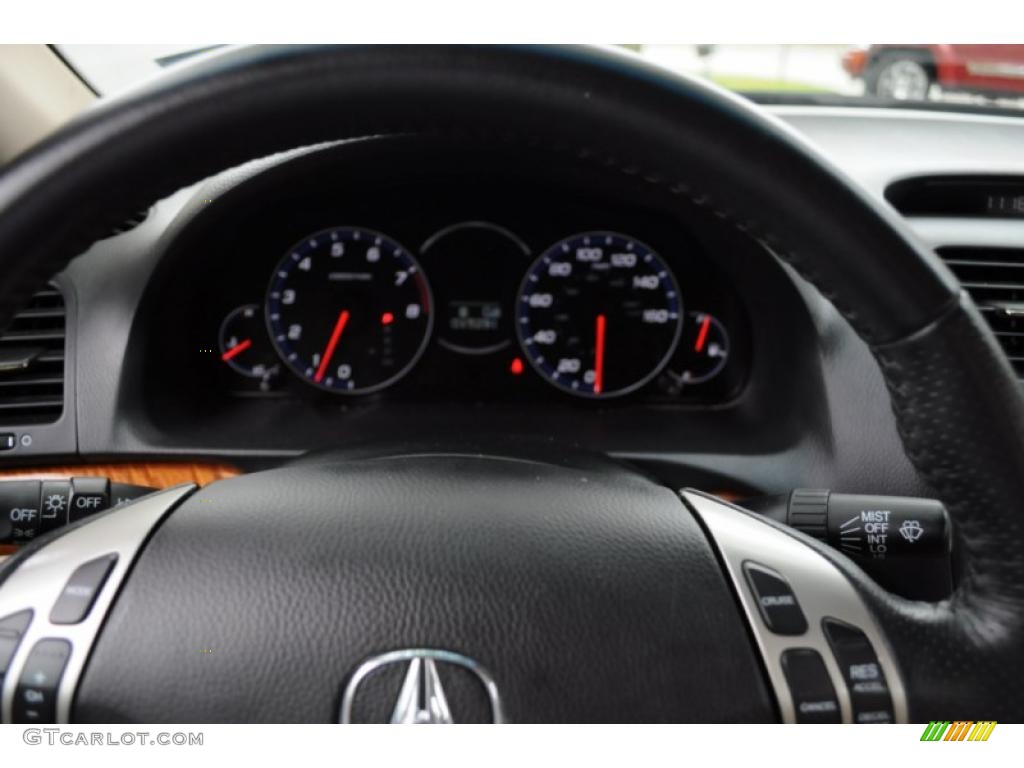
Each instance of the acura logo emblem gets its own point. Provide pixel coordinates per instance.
(421, 698)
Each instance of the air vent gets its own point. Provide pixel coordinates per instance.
(32, 362)
(995, 278)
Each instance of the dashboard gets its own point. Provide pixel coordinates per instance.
(510, 297)
(416, 288)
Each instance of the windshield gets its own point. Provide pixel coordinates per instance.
(886, 75)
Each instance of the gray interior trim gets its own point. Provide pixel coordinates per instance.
(984, 233)
(821, 589)
(40, 579)
(879, 146)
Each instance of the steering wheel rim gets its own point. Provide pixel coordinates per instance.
(955, 398)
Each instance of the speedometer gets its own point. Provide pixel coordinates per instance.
(599, 314)
(349, 310)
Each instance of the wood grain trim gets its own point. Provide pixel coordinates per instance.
(158, 474)
(155, 474)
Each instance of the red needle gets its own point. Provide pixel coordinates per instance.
(599, 356)
(238, 349)
(702, 336)
(339, 326)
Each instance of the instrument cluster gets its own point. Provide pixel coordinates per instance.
(464, 285)
(599, 314)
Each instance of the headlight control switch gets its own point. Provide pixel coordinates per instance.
(30, 508)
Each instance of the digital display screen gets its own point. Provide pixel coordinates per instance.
(478, 316)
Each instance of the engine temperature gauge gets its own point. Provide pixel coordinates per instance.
(244, 345)
(706, 346)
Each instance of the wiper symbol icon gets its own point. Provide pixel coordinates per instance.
(911, 530)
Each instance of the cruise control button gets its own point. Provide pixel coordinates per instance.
(80, 592)
(776, 601)
(35, 699)
(814, 697)
(869, 691)
(88, 496)
(54, 504)
(19, 510)
(12, 628)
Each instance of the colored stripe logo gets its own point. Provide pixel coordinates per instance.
(960, 730)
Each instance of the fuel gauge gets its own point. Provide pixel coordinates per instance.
(244, 345)
(705, 344)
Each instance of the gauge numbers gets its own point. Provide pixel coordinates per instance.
(599, 314)
(349, 310)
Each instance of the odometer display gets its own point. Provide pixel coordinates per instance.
(349, 310)
(599, 314)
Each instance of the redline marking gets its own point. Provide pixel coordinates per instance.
(599, 355)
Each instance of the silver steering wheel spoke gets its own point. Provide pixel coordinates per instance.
(837, 627)
(43, 580)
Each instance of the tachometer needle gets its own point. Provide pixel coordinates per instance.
(236, 350)
(339, 326)
(702, 335)
(599, 355)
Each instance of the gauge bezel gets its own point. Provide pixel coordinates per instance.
(459, 226)
(670, 350)
(720, 366)
(237, 367)
(429, 309)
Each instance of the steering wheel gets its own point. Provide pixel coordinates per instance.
(435, 587)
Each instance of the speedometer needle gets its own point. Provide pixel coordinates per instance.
(599, 355)
(339, 326)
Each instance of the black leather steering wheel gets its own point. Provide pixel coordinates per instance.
(583, 591)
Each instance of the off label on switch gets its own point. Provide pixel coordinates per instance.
(88, 496)
(31, 508)
(19, 511)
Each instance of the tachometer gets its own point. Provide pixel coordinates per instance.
(349, 310)
(599, 314)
